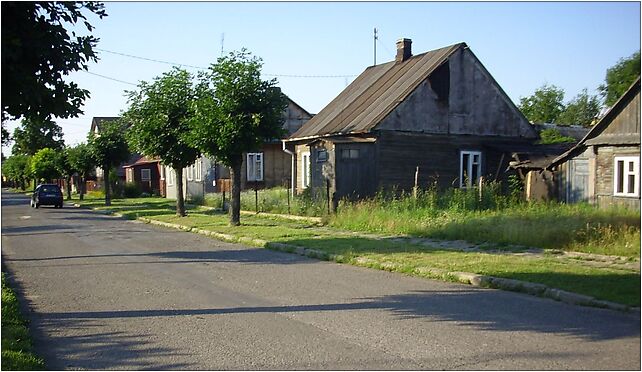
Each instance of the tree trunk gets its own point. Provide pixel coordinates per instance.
(180, 200)
(81, 187)
(235, 200)
(68, 181)
(106, 181)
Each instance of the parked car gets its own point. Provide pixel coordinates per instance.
(47, 194)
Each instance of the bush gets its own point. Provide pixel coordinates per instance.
(132, 190)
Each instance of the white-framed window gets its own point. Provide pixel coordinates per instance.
(145, 174)
(162, 172)
(190, 172)
(470, 166)
(255, 166)
(170, 177)
(198, 170)
(305, 169)
(626, 176)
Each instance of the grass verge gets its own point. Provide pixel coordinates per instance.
(610, 284)
(17, 350)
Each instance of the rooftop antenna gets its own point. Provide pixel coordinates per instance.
(375, 46)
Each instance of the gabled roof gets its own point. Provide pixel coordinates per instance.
(373, 95)
(97, 121)
(602, 125)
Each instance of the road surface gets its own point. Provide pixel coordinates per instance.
(105, 293)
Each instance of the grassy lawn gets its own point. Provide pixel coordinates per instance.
(617, 285)
(17, 352)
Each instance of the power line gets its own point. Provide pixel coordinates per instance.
(109, 78)
(205, 68)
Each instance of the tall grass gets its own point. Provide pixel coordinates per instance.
(275, 200)
(490, 216)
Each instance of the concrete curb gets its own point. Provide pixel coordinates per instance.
(476, 280)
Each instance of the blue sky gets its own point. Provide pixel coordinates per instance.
(523, 45)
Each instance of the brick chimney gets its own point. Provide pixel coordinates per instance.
(404, 50)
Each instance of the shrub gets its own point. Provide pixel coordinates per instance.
(132, 190)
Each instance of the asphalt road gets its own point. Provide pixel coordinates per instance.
(111, 294)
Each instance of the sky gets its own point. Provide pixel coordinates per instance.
(315, 49)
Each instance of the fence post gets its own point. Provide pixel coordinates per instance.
(327, 193)
(288, 192)
(481, 182)
(414, 189)
(256, 198)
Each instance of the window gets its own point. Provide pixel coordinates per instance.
(350, 154)
(255, 166)
(305, 169)
(145, 174)
(190, 172)
(198, 170)
(162, 172)
(469, 168)
(130, 175)
(626, 180)
(322, 155)
(170, 177)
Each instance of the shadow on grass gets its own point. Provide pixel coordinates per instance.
(484, 310)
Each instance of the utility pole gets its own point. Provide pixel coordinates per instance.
(375, 46)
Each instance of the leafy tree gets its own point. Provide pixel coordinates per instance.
(45, 165)
(544, 106)
(81, 160)
(619, 78)
(236, 112)
(552, 136)
(6, 137)
(108, 149)
(37, 51)
(159, 114)
(17, 168)
(35, 134)
(66, 168)
(582, 110)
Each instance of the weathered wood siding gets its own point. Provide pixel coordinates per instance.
(438, 159)
(605, 169)
(459, 98)
(276, 168)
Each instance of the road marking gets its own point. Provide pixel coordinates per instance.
(25, 217)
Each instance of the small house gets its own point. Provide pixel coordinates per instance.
(604, 167)
(436, 118)
(145, 173)
(267, 167)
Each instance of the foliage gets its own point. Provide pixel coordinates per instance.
(45, 164)
(37, 52)
(159, 114)
(553, 135)
(81, 160)
(108, 149)
(619, 78)
(582, 110)
(35, 134)
(18, 169)
(132, 190)
(236, 112)
(544, 106)
(17, 349)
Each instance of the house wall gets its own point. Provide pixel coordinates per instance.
(192, 188)
(152, 186)
(459, 98)
(605, 168)
(276, 168)
(438, 159)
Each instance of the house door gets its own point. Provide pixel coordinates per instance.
(577, 186)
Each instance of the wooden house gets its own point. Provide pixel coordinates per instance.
(145, 172)
(604, 167)
(267, 167)
(437, 117)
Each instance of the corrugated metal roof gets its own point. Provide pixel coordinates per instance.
(373, 95)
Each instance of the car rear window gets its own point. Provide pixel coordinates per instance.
(50, 190)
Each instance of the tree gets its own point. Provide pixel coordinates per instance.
(108, 149)
(66, 169)
(236, 112)
(582, 110)
(17, 168)
(81, 160)
(619, 78)
(37, 51)
(159, 114)
(544, 106)
(35, 134)
(45, 165)
(552, 135)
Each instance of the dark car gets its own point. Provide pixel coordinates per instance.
(47, 194)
